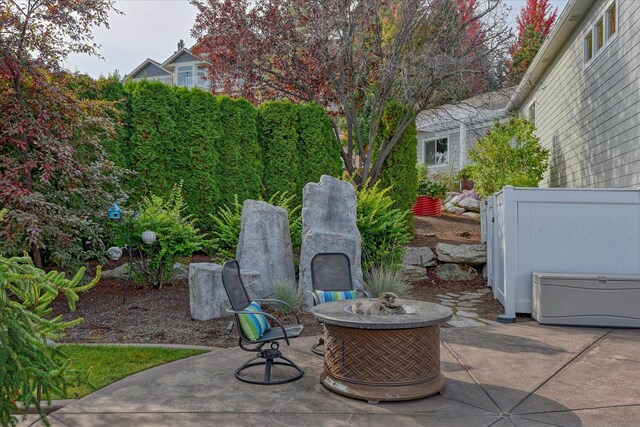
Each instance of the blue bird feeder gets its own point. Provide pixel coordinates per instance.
(115, 213)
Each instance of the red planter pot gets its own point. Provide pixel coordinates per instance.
(426, 206)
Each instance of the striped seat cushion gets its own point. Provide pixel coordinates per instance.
(328, 296)
(254, 324)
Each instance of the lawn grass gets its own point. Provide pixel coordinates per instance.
(107, 364)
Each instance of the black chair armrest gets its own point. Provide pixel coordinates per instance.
(271, 300)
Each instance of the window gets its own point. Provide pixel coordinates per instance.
(436, 152)
(201, 74)
(588, 47)
(611, 20)
(185, 76)
(532, 112)
(599, 34)
(601, 31)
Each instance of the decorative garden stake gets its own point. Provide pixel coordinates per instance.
(115, 214)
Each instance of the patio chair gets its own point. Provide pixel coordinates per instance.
(331, 280)
(254, 330)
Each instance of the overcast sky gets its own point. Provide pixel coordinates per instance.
(152, 29)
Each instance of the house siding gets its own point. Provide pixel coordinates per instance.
(150, 70)
(184, 57)
(588, 116)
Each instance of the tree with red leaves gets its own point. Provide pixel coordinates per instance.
(54, 176)
(534, 24)
(353, 57)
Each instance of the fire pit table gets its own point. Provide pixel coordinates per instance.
(382, 357)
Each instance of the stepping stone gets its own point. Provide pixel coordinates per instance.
(485, 291)
(467, 304)
(463, 313)
(466, 297)
(462, 322)
(448, 303)
(453, 295)
(443, 296)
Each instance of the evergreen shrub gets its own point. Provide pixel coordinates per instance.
(279, 141)
(400, 170)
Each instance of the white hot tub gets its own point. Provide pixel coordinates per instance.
(611, 300)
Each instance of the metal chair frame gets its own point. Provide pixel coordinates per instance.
(269, 356)
(314, 348)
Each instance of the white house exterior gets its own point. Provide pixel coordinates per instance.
(446, 134)
(583, 92)
(180, 69)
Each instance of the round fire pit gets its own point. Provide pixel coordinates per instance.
(382, 357)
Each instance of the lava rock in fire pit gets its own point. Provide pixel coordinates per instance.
(387, 304)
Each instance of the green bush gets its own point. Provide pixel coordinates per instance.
(279, 141)
(153, 134)
(318, 148)
(383, 228)
(431, 188)
(195, 164)
(447, 180)
(241, 166)
(509, 154)
(464, 172)
(177, 237)
(399, 169)
(383, 278)
(26, 360)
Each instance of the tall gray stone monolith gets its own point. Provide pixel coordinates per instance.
(265, 244)
(329, 225)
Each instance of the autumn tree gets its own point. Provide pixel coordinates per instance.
(55, 179)
(352, 57)
(534, 24)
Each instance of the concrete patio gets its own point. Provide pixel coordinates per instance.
(506, 375)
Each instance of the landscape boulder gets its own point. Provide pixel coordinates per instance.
(454, 209)
(420, 256)
(452, 272)
(450, 196)
(474, 255)
(265, 244)
(469, 204)
(207, 297)
(329, 225)
(472, 215)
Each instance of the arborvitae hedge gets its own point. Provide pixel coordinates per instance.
(318, 147)
(241, 167)
(400, 166)
(195, 154)
(153, 134)
(279, 141)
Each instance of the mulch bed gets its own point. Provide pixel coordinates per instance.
(162, 315)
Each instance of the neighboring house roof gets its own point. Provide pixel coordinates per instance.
(570, 18)
(153, 69)
(478, 109)
(183, 55)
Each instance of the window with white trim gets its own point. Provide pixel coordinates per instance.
(185, 76)
(601, 30)
(532, 112)
(436, 151)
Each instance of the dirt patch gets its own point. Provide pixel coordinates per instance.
(148, 316)
(447, 228)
